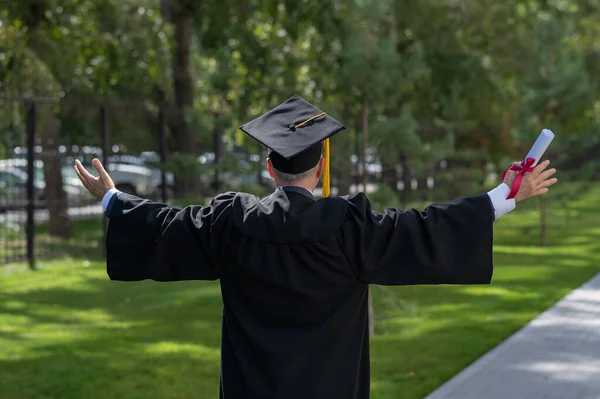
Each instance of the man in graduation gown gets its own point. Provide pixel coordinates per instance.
(295, 270)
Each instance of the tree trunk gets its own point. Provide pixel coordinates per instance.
(365, 119)
(371, 314)
(389, 176)
(422, 187)
(365, 137)
(54, 193)
(259, 177)
(543, 199)
(344, 184)
(406, 180)
(219, 152)
(341, 152)
(543, 226)
(185, 140)
(357, 151)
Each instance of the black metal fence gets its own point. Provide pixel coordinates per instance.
(44, 209)
(46, 212)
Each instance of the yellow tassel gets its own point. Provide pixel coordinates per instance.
(326, 181)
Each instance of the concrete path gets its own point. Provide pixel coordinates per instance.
(556, 356)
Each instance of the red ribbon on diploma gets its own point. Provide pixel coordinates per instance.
(525, 167)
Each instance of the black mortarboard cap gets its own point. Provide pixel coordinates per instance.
(293, 132)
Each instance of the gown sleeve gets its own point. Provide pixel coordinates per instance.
(149, 240)
(449, 243)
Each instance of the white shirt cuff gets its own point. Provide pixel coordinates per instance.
(107, 197)
(499, 202)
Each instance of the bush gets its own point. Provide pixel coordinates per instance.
(253, 188)
(11, 231)
(384, 197)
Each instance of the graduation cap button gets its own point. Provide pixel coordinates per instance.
(292, 128)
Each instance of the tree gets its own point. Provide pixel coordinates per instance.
(556, 89)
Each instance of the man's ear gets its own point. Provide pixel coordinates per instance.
(320, 168)
(270, 168)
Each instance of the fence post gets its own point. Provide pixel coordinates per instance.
(162, 149)
(104, 144)
(30, 227)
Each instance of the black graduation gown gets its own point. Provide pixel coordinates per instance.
(294, 275)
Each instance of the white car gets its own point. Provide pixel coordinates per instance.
(13, 190)
(132, 179)
(146, 161)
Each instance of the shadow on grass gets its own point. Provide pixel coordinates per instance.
(105, 367)
(102, 339)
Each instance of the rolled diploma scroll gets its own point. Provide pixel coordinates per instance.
(537, 151)
(540, 146)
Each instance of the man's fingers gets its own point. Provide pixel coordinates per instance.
(83, 171)
(544, 164)
(78, 171)
(86, 178)
(84, 181)
(542, 188)
(538, 169)
(547, 173)
(548, 183)
(101, 171)
(538, 192)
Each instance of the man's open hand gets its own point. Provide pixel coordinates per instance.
(97, 186)
(534, 183)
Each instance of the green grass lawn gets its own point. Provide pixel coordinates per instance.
(67, 332)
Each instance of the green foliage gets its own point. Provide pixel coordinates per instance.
(185, 166)
(385, 197)
(255, 189)
(440, 80)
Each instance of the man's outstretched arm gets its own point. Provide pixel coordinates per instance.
(448, 243)
(150, 240)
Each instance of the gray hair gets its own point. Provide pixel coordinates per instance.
(288, 178)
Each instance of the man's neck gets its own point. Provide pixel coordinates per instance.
(304, 185)
(296, 189)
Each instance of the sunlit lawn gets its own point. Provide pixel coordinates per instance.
(67, 332)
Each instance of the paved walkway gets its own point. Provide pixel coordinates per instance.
(556, 356)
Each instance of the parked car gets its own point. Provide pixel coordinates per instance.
(147, 160)
(132, 179)
(71, 184)
(241, 169)
(68, 172)
(13, 190)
